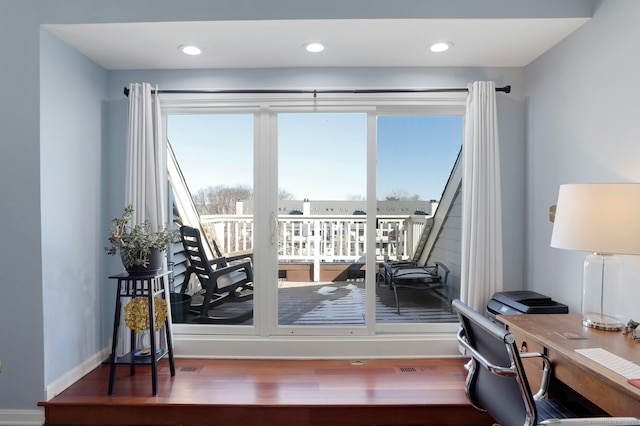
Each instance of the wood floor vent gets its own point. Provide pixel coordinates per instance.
(185, 369)
(427, 368)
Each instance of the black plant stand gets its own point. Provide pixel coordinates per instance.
(147, 286)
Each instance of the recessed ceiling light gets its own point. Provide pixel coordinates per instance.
(189, 49)
(314, 47)
(441, 46)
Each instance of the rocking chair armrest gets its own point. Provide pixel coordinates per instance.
(240, 256)
(224, 261)
(234, 267)
(218, 263)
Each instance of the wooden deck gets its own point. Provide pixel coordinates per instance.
(273, 392)
(343, 303)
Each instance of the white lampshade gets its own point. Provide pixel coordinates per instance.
(598, 217)
(603, 218)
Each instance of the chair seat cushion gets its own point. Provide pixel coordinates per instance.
(416, 273)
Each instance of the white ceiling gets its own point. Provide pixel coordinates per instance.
(350, 42)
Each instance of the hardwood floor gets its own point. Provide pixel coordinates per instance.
(273, 392)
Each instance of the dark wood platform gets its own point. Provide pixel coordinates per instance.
(273, 392)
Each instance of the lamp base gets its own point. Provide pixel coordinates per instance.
(602, 292)
(602, 322)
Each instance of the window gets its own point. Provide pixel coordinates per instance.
(416, 154)
(320, 167)
(321, 160)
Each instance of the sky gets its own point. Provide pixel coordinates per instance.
(417, 153)
(321, 156)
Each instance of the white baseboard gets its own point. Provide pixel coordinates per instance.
(22, 417)
(75, 374)
(36, 417)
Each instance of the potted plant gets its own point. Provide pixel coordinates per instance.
(140, 248)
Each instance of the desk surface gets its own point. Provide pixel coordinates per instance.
(600, 385)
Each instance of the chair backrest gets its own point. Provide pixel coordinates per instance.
(194, 250)
(496, 382)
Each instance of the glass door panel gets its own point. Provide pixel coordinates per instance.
(214, 165)
(416, 156)
(321, 219)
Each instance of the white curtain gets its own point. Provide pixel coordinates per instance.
(146, 176)
(481, 269)
(146, 173)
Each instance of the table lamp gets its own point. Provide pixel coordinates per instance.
(604, 219)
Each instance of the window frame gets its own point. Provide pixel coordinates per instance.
(265, 108)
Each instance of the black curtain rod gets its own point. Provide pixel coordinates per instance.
(505, 89)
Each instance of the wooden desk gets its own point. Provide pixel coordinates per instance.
(601, 386)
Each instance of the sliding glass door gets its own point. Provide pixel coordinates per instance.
(416, 156)
(212, 174)
(321, 196)
(322, 181)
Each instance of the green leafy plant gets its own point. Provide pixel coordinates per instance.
(134, 243)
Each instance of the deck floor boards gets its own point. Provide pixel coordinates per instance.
(343, 303)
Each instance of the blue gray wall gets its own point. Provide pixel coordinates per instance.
(21, 304)
(72, 134)
(583, 125)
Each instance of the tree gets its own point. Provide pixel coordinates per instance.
(220, 199)
(284, 194)
(401, 195)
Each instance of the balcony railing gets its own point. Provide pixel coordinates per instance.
(323, 238)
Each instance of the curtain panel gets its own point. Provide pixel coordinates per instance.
(146, 174)
(481, 263)
(146, 171)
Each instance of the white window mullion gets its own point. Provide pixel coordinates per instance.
(370, 229)
(265, 223)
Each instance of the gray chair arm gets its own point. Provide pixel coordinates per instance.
(510, 371)
(498, 370)
(546, 373)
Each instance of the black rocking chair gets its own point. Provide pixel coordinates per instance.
(224, 279)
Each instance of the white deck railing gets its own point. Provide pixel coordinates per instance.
(323, 238)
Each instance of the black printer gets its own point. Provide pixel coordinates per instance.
(523, 302)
